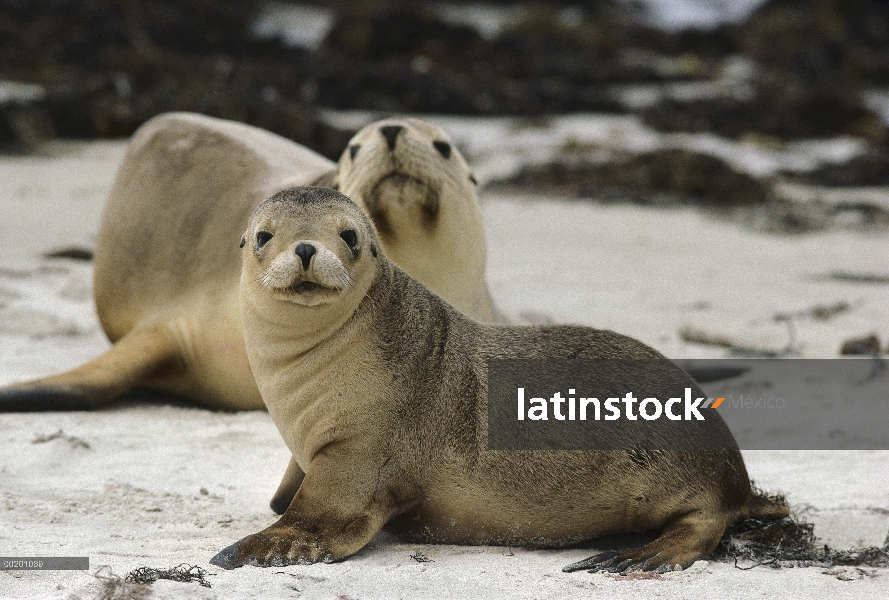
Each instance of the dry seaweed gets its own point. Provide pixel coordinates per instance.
(185, 573)
(789, 543)
(112, 587)
(420, 557)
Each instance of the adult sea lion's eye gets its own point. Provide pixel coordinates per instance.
(443, 148)
(262, 238)
(350, 237)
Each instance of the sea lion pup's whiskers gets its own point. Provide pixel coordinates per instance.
(381, 396)
(287, 276)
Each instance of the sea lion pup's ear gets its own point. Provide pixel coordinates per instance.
(243, 240)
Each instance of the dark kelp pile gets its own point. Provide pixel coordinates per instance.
(101, 68)
(675, 177)
(107, 65)
(812, 61)
(665, 176)
(789, 543)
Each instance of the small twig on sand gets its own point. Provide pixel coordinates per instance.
(75, 441)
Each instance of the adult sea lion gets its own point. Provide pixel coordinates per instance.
(419, 208)
(166, 271)
(379, 389)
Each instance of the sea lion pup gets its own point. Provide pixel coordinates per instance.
(166, 271)
(379, 389)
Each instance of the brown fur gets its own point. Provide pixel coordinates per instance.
(382, 398)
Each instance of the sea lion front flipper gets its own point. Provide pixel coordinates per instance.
(128, 363)
(293, 478)
(340, 506)
(681, 542)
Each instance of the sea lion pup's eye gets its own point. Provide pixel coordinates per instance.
(443, 148)
(262, 238)
(353, 150)
(350, 237)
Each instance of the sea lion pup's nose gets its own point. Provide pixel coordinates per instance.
(305, 252)
(390, 132)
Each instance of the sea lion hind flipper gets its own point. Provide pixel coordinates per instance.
(293, 478)
(40, 398)
(681, 542)
(127, 364)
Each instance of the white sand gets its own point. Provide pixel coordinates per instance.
(133, 498)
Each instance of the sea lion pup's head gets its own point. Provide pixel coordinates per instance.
(309, 247)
